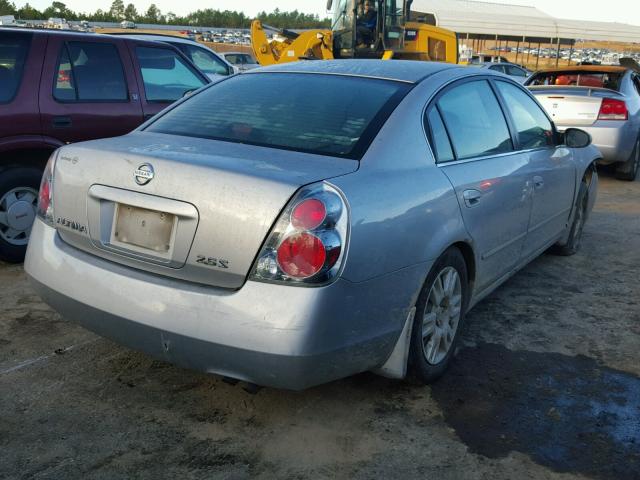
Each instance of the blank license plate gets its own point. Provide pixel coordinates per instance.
(144, 228)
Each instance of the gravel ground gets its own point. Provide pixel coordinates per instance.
(545, 385)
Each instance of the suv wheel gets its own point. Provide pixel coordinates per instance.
(18, 200)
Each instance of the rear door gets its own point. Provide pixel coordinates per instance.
(164, 75)
(88, 89)
(475, 150)
(553, 171)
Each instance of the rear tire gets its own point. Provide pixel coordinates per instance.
(575, 234)
(18, 197)
(439, 317)
(629, 170)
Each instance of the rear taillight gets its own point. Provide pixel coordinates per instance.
(612, 109)
(45, 195)
(308, 242)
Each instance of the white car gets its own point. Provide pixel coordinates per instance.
(241, 61)
(208, 62)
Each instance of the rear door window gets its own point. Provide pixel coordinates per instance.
(166, 76)
(439, 137)
(13, 55)
(276, 110)
(90, 72)
(533, 126)
(474, 120)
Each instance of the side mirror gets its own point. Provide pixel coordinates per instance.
(329, 4)
(576, 138)
(188, 93)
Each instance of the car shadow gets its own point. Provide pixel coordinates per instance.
(570, 414)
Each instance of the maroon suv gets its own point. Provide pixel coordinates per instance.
(63, 87)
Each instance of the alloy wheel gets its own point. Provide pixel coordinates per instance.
(441, 315)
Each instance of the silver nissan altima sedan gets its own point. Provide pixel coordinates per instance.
(306, 222)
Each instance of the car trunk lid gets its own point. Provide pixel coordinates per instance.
(573, 106)
(187, 208)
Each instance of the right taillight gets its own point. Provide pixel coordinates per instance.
(308, 242)
(613, 109)
(45, 195)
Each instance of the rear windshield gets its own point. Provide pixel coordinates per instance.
(13, 53)
(582, 78)
(323, 114)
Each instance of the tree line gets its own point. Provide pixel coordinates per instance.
(206, 17)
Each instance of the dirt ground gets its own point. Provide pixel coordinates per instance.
(546, 385)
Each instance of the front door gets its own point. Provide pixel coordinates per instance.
(552, 169)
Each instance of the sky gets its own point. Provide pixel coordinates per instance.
(624, 11)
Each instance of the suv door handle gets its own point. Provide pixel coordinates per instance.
(61, 122)
(471, 197)
(538, 182)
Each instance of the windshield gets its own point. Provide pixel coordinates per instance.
(275, 110)
(579, 78)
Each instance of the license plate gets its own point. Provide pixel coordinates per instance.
(144, 228)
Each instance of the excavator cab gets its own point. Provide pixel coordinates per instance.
(353, 39)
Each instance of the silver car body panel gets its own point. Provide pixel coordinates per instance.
(578, 106)
(405, 211)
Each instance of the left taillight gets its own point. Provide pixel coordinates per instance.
(308, 243)
(45, 195)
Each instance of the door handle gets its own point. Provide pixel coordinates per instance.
(471, 197)
(61, 122)
(538, 182)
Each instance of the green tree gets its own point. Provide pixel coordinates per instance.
(130, 13)
(7, 8)
(60, 10)
(117, 10)
(29, 13)
(153, 14)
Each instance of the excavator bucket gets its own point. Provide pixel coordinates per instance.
(287, 46)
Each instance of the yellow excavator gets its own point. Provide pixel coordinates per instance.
(393, 31)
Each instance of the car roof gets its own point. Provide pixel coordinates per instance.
(590, 68)
(155, 37)
(409, 71)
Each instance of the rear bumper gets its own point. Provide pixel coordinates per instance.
(614, 139)
(272, 335)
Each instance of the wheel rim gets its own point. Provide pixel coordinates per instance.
(17, 213)
(441, 315)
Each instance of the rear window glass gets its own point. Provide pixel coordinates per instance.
(90, 72)
(13, 54)
(323, 114)
(584, 78)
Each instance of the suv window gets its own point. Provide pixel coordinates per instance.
(273, 110)
(475, 120)
(439, 136)
(13, 54)
(534, 128)
(497, 68)
(90, 72)
(204, 59)
(166, 76)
